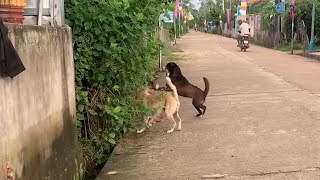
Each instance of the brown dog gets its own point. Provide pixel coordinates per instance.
(158, 100)
(185, 89)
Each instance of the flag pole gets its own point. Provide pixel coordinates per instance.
(293, 3)
(311, 45)
(175, 30)
(176, 7)
(179, 22)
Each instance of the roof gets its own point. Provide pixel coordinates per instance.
(254, 1)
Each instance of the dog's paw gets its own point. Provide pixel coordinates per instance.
(170, 131)
(198, 115)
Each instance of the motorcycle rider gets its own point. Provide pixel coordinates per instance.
(244, 28)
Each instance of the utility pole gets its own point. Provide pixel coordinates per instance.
(230, 10)
(282, 16)
(187, 16)
(292, 14)
(292, 33)
(311, 45)
(230, 16)
(160, 38)
(175, 29)
(179, 23)
(223, 6)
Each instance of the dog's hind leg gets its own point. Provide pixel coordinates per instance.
(170, 117)
(204, 109)
(179, 121)
(198, 109)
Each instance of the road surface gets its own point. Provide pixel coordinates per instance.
(262, 121)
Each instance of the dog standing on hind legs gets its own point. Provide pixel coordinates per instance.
(170, 103)
(185, 89)
(172, 107)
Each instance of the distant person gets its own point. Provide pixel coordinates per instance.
(244, 29)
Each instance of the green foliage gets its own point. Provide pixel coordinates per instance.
(115, 45)
(269, 14)
(304, 12)
(287, 47)
(170, 27)
(210, 10)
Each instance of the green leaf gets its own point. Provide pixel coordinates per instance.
(139, 16)
(132, 130)
(126, 4)
(112, 135)
(92, 112)
(80, 117)
(120, 121)
(112, 141)
(116, 88)
(84, 93)
(102, 17)
(80, 107)
(117, 109)
(101, 77)
(97, 31)
(87, 25)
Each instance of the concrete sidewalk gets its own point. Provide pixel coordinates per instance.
(262, 120)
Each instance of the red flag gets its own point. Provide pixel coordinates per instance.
(176, 9)
(292, 8)
(228, 17)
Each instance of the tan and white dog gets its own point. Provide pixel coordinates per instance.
(162, 99)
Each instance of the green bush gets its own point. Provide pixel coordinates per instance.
(170, 27)
(115, 45)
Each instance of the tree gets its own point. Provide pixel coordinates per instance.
(211, 10)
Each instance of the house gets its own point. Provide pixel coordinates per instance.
(28, 11)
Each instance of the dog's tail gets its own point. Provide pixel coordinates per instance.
(207, 87)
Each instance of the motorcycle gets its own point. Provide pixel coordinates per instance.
(244, 43)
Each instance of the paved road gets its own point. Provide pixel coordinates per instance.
(262, 121)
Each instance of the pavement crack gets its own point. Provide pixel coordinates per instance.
(254, 93)
(280, 172)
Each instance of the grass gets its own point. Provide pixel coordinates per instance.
(174, 54)
(287, 47)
